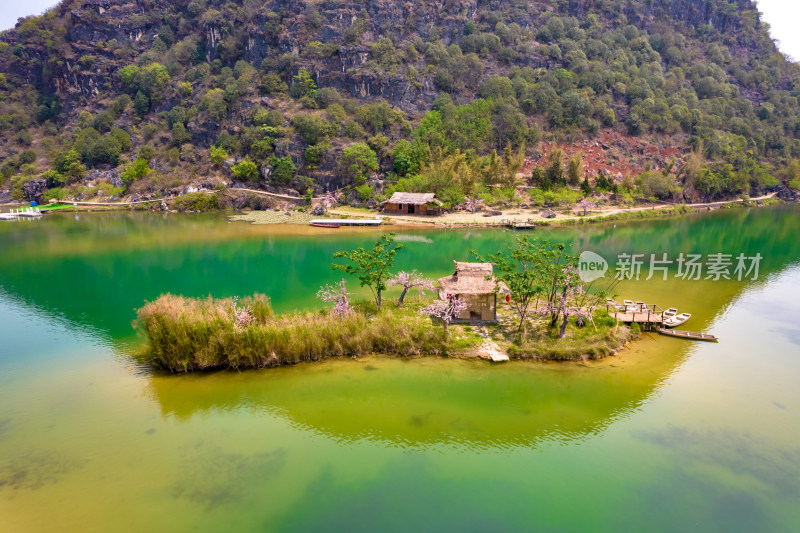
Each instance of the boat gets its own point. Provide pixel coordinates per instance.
(336, 222)
(324, 225)
(676, 320)
(689, 335)
(670, 312)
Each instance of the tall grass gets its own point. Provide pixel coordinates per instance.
(586, 344)
(188, 334)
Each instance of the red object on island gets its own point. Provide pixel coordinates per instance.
(508, 298)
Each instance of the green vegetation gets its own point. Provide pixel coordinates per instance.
(579, 344)
(707, 81)
(246, 170)
(187, 334)
(358, 161)
(197, 201)
(190, 334)
(372, 267)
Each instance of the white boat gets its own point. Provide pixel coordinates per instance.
(676, 320)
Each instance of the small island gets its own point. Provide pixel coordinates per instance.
(526, 302)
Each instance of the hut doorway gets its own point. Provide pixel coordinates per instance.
(411, 209)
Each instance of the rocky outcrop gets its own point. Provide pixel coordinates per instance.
(34, 188)
(788, 195)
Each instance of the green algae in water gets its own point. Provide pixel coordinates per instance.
(668, 435)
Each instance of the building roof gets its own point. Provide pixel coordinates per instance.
(471, 278)
(414, 198)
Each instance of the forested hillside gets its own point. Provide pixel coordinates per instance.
(680, 100)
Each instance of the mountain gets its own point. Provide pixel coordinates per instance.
(677, 99)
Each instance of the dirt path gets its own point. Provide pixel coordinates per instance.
(521, 215)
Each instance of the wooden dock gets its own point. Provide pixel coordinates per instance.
(641, 318)
(15, 214)
(649, 315)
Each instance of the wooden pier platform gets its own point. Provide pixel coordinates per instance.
(642, 318)
(649, 315)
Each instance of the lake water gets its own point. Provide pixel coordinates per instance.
(668, 435)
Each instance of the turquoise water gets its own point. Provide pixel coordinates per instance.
(667, 436)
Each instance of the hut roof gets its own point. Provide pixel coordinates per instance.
(413, 198)
(471, 278)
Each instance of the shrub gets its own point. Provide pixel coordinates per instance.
(328, 96)
(53, 178)
(246, 170)
(137, 169)
(315, 152)
(658, 185)
(214, 102)
(353, 130)
(197, 201)
(364, 192)
(273, 84)
(180, 135)
(377, 116)
(313, 128)
(303, 85)
(217, 155)
(56, 193)
(27, 157)
(283, 170)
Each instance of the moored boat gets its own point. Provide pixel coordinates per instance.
(324, 225)
(672, 321)
(689, 335)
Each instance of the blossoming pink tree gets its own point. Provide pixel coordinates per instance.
(586, 204)
(472, 205)
(444, 310)
(242, 315)
(409, 280)
(332, 199)
(336, 293)
(576, 299)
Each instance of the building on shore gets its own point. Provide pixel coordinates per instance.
(413, 203)
(475, 285)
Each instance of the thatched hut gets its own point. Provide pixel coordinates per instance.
(412, 203)
(475, 284)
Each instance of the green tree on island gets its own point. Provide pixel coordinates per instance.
(531, 270)
(544, 280)
(371, 266)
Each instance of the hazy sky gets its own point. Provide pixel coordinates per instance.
(782, 15)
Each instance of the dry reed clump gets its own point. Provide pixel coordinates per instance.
(188, 334)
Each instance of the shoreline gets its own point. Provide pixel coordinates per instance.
(452, 220)
(521, 216)
(195, 334)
